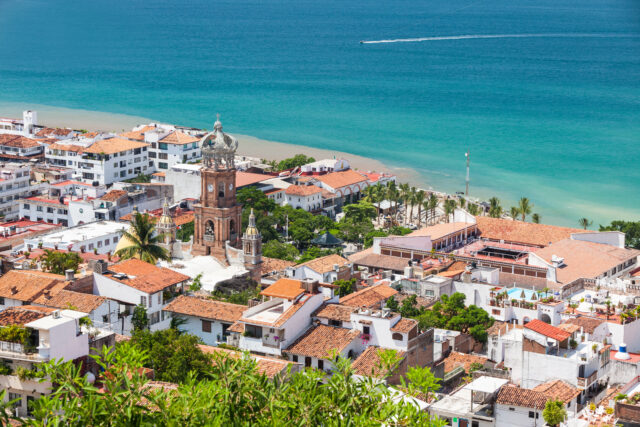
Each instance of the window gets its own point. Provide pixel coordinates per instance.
(320, 364)
(143, 301)
(206, 326)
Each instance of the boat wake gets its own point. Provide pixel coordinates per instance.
(500, 36)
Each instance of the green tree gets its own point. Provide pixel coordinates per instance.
(143, 244)
(631, 230)
(172, 355)
(58, 262)
(279, 250)
(495, 209)
(525, 207)
(554, 412)
(139, 319)
(345, 287)
(585, 223)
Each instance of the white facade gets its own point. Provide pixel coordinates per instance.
(15, 185)
(101, 237)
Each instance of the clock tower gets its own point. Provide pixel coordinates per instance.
(218, 216)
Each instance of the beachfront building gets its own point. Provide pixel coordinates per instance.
(205, 318)
(101, 237)
(103, 162)
(53, 334)
(134, 282)
(167, 145)
(15, 185)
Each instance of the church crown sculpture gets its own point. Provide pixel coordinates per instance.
(218, 148)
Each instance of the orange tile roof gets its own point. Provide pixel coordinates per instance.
(146, 277)
(113, 195)
(340, 179)
(456, 359)
(19, 141)
(335, 312)
(64, 299)
(558, 390)
(526, 233)
(319, 341)
(138, 135)
(113, 145)
(269, 366)
(284, 288)
(206, 308)
(248, 178)
(21, 315)
(537, 325)
(302, 190)
(67, 147)
(585, 259)
(515, 396)
(274, 264)
(369, 297)
(324, 264)
(27, 285)
(179, 138)
(369, 363)
(405, 325)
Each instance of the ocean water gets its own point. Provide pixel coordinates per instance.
(554, 115)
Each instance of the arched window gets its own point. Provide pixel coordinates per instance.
(397, 336)
(221, 189)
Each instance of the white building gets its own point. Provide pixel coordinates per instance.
(205, 318)
(134, 282)
(55, 334)
(104, 161)
(15, 185)
(101, 237)
(326, 269)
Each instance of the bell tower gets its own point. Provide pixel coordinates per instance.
(218, 216)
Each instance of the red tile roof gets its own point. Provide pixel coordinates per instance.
(547, 330)
(319, 341)
(206, 308)
(146, 277)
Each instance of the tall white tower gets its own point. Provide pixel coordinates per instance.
(29, 119)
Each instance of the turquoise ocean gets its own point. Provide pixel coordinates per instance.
(549, 105)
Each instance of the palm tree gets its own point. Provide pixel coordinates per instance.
(525, 207)
(419, 199)
(514, 213)
(449, 207)
(585, 223)
(142, 243)
(535, 218)
(495, 210)
(432, 205)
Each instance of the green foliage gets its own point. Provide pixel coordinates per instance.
(196, 284)
(139, 319)
(279, 250)
(232, 393)
(144, 245)
(630, 228)
(58, 262)
(172, 355)
(554, 412)
(295, 161)
(185, 231)
(451, 313)
(345, 287)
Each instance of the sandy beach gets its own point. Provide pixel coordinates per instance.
(249, 145)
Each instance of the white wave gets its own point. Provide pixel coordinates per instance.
(498, 36)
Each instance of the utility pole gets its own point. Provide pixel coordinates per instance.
(468, 156)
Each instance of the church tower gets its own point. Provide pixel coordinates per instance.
(252, 249)
(218, 216)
